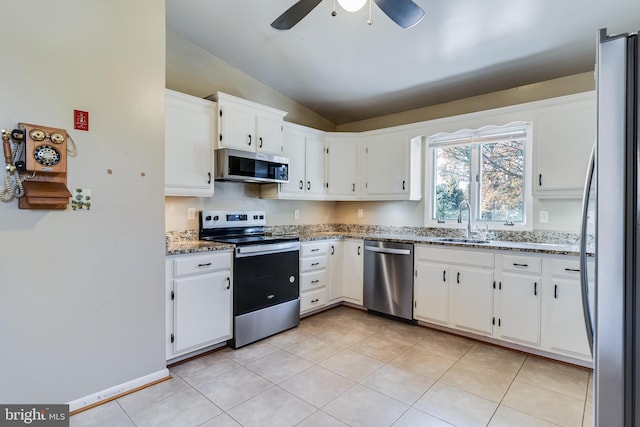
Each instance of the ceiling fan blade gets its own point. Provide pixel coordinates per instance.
(294, 14)
(403, 12)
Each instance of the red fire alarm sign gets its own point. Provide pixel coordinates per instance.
(80, 120)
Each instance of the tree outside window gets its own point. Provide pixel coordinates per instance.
(488, 171)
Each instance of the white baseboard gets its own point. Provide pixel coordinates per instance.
(111, 392)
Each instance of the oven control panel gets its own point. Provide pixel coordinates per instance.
(226, 219)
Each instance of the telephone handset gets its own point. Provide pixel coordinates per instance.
(12, 187)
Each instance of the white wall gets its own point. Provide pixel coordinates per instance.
(81, 293)
(240, 196)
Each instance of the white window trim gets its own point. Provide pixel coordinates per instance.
(475, 136)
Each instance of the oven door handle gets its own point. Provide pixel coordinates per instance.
(271, 248)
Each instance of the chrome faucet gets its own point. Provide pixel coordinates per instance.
(463, 203)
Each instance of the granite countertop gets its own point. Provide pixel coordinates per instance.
(189, 243)
(532, 247)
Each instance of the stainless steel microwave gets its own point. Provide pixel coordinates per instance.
(245, 166)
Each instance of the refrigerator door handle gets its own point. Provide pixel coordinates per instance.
(584, 279)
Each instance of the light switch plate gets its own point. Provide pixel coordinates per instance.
(544, 217)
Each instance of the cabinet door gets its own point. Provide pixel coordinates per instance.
(472, 299)
(314, 162)
(432, 292)
(237, 127)
(566, 329)
(202, 310)
(564, 136)
(352, 269)
(519, 316)
(189, 136)
(386, 165)
(270, 135)
(335, 272)
(342, 167)
(294, 149)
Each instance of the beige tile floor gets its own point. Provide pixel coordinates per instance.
(344, 367)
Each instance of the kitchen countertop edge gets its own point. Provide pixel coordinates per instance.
(193, 246)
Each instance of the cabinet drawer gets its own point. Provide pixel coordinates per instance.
(311, 264)
(521, 264)
(195, 264)
(455, 256)
(313, 299)
(570, 267)
(316, 279)
(314, 249)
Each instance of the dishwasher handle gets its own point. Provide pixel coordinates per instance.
(388, 250)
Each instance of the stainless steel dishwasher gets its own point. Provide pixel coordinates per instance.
(388, 278)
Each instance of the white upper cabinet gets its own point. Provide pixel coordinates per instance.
(343, 156)
(564, 134)
(305, 149)
(189, 140)
(247, 126)
(392, 165)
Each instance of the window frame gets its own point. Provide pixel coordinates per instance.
(476, 138)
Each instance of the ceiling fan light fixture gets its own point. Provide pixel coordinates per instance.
(352, 5)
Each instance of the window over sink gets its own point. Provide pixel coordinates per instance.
(489, 168)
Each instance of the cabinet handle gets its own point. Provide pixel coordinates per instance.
(209, 181)
(333, 250)
(315, 300)
(315, 281)
(315, 250)
(204, 265)
(499, 286)
(228, 283)
(458, 277)
(308, 185)
(574, 270)
(535, 288)
(404, 185)
(540, 180)
(353, 187)
(444, 275)
(358, 250)
(301, 184)
(313, 264)
(260, 139)
(555, 291)
(520, 265)
(249, 143)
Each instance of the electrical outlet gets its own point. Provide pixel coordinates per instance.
(296, 214)
(191, 213)
(360, 213)
(544, 217)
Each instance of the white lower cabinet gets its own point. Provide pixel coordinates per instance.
(314, 275)
(335, 272)
(518, 298)
(352, 270)
(431, 292)
(529, 300)
(199, 303)
(564, 327)
(454, 288)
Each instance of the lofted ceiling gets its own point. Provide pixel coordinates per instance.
(346, 70)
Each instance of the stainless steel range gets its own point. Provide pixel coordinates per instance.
(266, 292)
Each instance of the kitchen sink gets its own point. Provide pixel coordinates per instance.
(462, 240)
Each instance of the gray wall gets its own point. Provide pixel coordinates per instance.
(82, 293)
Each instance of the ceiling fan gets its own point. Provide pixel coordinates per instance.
(405, 13)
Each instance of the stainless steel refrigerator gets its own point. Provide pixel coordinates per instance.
(616, 325)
